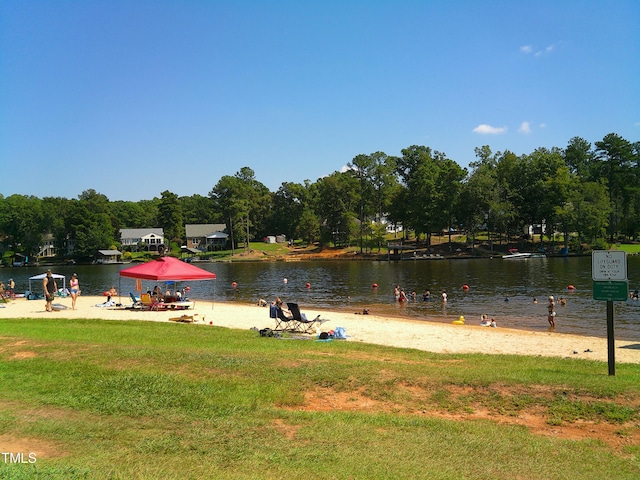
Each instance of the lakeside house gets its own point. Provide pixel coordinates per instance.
(19, 260)
(104, 257)
(47, 249)
(206, 237)
(148, 239)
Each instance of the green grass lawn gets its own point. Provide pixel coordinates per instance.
(630, 248)
(142, 400)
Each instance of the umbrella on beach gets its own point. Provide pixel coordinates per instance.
(167, 269)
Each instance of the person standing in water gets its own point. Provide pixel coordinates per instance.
(551, 309)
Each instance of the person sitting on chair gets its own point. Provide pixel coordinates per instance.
(280, 304)
(157, 293)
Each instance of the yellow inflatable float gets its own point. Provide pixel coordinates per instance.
(460, 321)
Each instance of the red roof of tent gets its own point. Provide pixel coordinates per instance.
(167, 268)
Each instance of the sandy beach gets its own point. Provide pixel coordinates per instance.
(383, 330)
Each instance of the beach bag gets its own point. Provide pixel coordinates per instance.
(324, 336)
(266, 332)
(340, 333)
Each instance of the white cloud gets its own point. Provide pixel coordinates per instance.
(525, 127)
(528, 49)
(543, 125)
(485, 129)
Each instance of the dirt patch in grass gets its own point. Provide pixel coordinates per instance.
(16, 351)
(26, 449)
(415, 400)
(287, 430)
(24, 416)
(23, 354)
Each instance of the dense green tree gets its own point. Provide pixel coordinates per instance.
(479, 196)
(133, 214)
(585, 211)
(432, 183)
(508, 220)
(363, 168)
(417, 172)
(89, 224)
(197, 209)
(378, 232)
(225, 196)
(335, 204)
(449, 185)
(308, 226)
(54, 211)
(240, 198)
(289, 202)
(551, 188)
(150, 209)
(396, 213)
(631, 221)
(614, 162)
(579, 158)
(376, 179)
(384, 181)
(170, 216)
(22, 223)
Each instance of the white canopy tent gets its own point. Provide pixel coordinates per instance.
(40, 277)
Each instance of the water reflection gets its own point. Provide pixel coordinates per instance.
(349, 285)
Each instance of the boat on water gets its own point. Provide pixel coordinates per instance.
(515, 255)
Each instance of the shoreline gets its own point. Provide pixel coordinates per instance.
(436, 335)
(315, 257)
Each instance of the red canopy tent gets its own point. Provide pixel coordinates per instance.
(167, 269)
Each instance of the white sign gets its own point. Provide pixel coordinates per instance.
(609, 265)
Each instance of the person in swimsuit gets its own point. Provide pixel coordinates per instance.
(75, 290)
(551, 308)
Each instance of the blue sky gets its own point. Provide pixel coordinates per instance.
(131, 98)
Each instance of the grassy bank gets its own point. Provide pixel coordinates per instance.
(143, 400)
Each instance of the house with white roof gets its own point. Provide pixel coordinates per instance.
(148, 239)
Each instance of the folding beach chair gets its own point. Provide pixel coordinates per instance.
(304, 325)
(282, 321)
(149, 303)
(136, 301)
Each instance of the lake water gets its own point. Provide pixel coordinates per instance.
(347, 285)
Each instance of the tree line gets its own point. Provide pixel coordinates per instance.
(589, 193)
